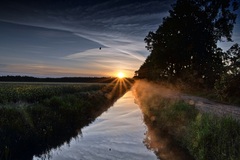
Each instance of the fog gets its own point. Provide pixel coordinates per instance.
(148, 93)
(152, 97)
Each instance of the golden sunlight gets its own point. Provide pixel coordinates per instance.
(120, 84)
(120, 75)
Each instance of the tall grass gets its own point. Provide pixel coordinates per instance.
(211, 137)
(206, 136)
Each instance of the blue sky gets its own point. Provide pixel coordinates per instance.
(57, 38)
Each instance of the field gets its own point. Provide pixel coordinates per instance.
(35, 117)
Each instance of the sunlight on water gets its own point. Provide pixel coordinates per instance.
(117, 134)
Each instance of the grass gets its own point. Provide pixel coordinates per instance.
(32, 93)
(211, 137)
(205, 136)
(36, 118)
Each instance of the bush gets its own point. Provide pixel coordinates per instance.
(227, 87)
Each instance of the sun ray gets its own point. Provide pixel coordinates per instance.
(120, 85)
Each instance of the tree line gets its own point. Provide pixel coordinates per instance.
(62, 79)
(184, 47)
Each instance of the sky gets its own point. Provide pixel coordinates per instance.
(62, 38)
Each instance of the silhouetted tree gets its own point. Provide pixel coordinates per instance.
(233, 60)
(185, 44)
(228, 85)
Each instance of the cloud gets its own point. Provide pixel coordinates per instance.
(117, 8)
(106, 59)
(72, 35)
(53, 70)
(106, 56)
(126, 46)
(113, 24)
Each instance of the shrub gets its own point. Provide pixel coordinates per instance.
(227, 87)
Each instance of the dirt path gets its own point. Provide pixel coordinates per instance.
(205, 105)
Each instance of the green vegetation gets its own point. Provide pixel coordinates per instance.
(32, 93)
(205, 136)
(211, 137)
(36, 118)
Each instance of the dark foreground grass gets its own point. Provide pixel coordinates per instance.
(35, 119)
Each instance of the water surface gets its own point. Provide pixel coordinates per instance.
(117, 134)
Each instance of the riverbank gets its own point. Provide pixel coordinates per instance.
(204, 135)
(37, 118)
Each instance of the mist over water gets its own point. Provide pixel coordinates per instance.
(148, 94)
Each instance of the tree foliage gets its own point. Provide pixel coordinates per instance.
(233, 60)
(185, 45)
(228, 84)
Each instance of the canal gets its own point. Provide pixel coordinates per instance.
(118, 133)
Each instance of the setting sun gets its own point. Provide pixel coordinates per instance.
(120, 75)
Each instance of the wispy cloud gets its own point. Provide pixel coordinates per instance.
(121, 45)
(69, 37)
(107, 59)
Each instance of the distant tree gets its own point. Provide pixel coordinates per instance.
(185, 44)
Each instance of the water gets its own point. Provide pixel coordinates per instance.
(116, 134)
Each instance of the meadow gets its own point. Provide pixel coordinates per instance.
(36, 117)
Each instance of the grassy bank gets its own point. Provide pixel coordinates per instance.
(37, 118)
(205, 136)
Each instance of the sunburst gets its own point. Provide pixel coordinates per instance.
(121, 85)
(120, 75)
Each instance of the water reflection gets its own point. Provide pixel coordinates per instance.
(119, 133)
(157, 140)
(163, 145)
(116, 134)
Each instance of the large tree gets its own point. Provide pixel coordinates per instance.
(186, 42)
